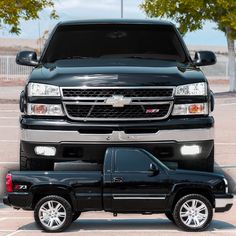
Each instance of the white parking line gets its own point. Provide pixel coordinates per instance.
(15, 232)
(7, 118)
(9, 141)
(227, 104)
(9, 111)
(9, 126)
(233, 144)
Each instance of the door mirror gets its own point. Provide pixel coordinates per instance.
(27, 58)
(153, 169)
(204, 58)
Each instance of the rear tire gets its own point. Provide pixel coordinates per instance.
(53, 213)
(34, 164)
(76, 215)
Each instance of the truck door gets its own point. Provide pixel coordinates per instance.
(134, 187)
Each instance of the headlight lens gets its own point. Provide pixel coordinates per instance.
(36, 89)
(197, 89)
(44, 110)
(190, 109)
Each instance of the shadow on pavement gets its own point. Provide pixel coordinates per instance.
(130, 224)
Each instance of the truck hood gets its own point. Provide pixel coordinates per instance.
(196, 176)
(116, 72)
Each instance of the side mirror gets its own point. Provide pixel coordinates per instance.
(27, 58)
(153, 169)
(204, 58)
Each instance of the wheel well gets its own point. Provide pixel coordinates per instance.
(38, 196)
(183, 192)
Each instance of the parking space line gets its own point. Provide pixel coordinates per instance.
(227, 104)
(8, 117)
(2, 111)
(14, 232)
(9, 141)
(229, 144)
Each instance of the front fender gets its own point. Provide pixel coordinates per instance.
(188, 188)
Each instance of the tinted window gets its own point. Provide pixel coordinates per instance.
(112, 41)
(132, 160)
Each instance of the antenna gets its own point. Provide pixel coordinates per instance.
(121, 8)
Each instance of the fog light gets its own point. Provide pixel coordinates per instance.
(45, 151)
(190, 150)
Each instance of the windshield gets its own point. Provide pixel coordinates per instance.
(114, 41)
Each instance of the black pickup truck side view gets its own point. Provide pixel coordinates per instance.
(103, 83)
(131, 181)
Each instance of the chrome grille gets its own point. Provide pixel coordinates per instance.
(75, 92)
(134, 103)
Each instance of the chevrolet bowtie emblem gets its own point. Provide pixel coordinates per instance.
(118, 101)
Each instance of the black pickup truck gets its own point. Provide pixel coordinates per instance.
(130, 181)
(106, 83)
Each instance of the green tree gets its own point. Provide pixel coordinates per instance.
(12, 11)
(192, 14)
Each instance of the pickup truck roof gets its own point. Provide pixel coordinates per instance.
(116, 21)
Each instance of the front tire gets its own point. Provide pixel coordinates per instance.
(34, 164)
(193, 212)
(53, 213)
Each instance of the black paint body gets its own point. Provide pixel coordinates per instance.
(117, 188)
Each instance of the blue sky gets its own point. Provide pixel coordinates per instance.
(84, 9)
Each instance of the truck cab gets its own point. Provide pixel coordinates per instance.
(103, 83)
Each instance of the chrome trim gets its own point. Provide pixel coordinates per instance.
(126, 87)
(226, 185)
(175, 135)
(223, 202)
(139, 198)
(117, 119)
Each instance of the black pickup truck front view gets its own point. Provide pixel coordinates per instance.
(119, 83)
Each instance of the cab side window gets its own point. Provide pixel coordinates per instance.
(131, 161)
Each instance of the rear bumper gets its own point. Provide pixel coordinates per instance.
(223, 202)
(18, 200)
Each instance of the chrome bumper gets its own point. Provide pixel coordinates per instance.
(224, 204)
(177, 135)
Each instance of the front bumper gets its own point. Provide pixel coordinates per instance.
(73, 145)
(223, 202)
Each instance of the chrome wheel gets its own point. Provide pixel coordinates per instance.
(194, 213)
(52, 214)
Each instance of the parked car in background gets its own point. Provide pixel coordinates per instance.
(103, 83)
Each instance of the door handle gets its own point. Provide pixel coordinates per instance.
(117, 179)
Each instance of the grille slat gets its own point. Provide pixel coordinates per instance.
(100, 93)
(110, 112)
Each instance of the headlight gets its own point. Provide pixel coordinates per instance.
(35, 89)
(197, 89)
(44, 110)
(190, 109)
